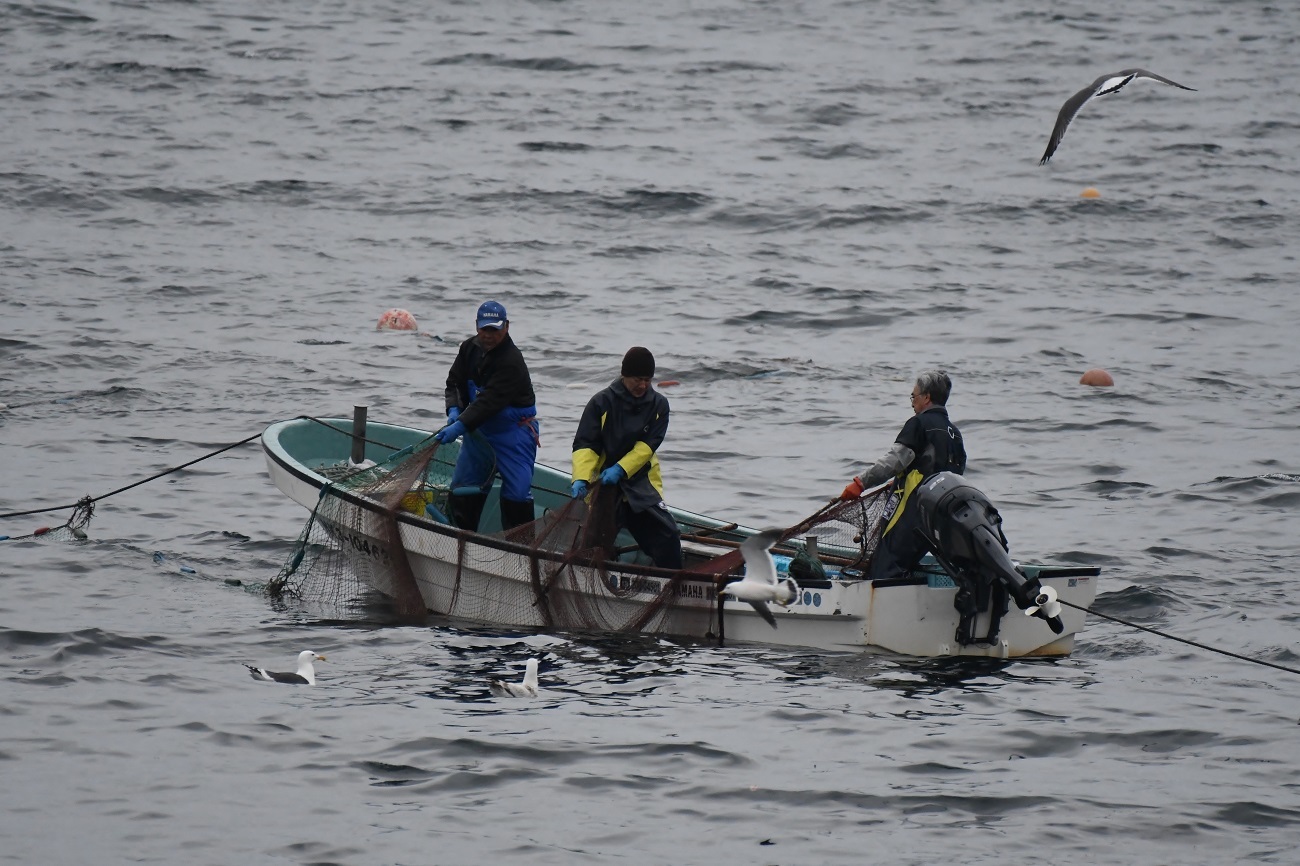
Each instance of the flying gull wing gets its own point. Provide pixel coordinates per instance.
(1106, 84)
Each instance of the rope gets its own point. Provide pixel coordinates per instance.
(91, 500)
(348, 433)
(88, 500)
(1182, 639)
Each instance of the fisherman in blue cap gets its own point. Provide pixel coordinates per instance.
(489, 390)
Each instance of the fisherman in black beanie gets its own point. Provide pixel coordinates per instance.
(620, 431)
(638, 363)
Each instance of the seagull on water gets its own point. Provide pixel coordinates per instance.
(759, 585)
(526, 689)
(306, 675)
(1110, 83)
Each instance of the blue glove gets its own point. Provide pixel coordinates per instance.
(453, 412)
(579, 489)
(450, 433)
(612, 475)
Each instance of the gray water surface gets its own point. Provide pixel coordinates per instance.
(796, 206)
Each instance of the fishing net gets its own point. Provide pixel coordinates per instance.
(73, 529)
(839, 538)
(352, 539)
(387, 527)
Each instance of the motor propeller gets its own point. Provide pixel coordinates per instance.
(1047, 607)
(1046, 602)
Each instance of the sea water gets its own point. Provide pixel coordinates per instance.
(796, 206)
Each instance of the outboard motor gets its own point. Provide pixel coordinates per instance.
(965, 532)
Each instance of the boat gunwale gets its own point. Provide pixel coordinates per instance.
(304, 473)
(295, 477)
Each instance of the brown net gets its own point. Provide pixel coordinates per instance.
(847, 534)
(352, 539)
(385, 527)
(74, 529)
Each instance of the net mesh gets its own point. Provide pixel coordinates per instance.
(74, 529)
(352, 539)
(385, 527)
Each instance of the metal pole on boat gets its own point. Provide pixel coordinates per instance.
(359, 433)
(722, 631)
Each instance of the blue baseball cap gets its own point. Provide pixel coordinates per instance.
(491, 315)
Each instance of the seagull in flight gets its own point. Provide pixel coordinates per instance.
(1110, 83)
(306, 675)
(526, 689)
(759, 585)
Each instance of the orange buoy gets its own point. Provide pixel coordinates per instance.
(668, 383)
(396, 320)
(1089, 192)
(1097, 377)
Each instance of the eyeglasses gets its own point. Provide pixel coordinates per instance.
(915, 395)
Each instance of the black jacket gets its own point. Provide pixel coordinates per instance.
(936, 441)
(481, 383)
(619, 428)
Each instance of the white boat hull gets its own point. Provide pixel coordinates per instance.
(486, 579)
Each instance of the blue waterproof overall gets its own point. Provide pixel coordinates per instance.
(512, 434)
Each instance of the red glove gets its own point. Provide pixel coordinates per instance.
(854, 490)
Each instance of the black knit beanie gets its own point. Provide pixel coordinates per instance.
(638, 362)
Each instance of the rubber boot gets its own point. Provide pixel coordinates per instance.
(514, 513)
(466, 509)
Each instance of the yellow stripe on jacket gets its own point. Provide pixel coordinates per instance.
(587, 463)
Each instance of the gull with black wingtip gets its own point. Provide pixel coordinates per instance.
(759, 584)
(1106, 84)
(305, 676)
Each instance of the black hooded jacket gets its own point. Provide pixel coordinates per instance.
(619, 428)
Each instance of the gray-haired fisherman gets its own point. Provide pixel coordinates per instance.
(929, 443)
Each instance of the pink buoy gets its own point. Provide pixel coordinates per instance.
(396, 320)
(1097, 378)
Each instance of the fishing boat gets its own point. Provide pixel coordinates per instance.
(383, 524)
